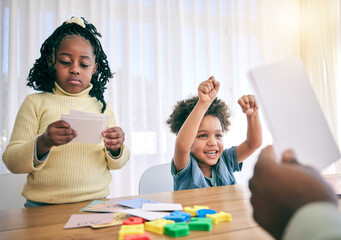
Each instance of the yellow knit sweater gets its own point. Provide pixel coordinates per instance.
(72, 172)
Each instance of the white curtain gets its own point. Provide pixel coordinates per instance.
(160, 50)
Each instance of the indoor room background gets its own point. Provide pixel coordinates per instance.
(160, 50)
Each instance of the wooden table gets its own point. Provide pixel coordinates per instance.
(47, 222)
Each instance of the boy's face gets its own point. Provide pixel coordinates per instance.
(75, 64)
(208, 144)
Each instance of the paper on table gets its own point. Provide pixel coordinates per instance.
(88, 126)
(146, 214)
(293, 113)
(84, 220)
(161, 207)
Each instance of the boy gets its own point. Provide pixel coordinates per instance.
(200, 159)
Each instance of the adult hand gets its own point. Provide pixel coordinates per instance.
(280, 189)
(113, 139)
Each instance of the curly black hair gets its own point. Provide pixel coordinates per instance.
(42, 74)
(183, 108)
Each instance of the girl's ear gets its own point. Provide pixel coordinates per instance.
(95, 69)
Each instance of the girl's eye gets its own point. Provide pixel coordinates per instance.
(202, 136)
(84, 65)
(64, 62)
(219, 135)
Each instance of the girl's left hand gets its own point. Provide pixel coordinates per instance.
(248, 105)
(113, 139)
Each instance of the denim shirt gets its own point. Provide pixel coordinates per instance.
(192, 177)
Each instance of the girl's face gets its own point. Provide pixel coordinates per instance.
(75, 64)
(208, 144)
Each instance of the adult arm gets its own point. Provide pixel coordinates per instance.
(280, 190)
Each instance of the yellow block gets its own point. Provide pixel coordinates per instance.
(130, 230)
(220, 217)
(157, 226)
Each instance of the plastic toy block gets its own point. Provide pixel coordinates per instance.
(144, 236)
(203, 212)
(130, 230)
(133, 220)
(201, 224)
(178, 216)
(220, 217)
(193, 211)
(178, 229)
(157, 226)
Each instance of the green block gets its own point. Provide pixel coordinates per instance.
(200, 224)
(178, 229)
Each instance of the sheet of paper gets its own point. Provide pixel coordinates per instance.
(84, 220)
(293, 114)
(117, 220)
(136, 202)
(105, 206)
(161, 207)
(148, 215)
(88, 126)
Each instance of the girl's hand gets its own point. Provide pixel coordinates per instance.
(113, 139)
(208, 90)
(248, 105)
(58, 133)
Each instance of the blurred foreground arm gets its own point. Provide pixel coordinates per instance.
(292, 201)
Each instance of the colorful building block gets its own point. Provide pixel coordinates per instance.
(201, 224)
(220, 217)
(130, 230)
(178, 216)
(157, 226)
(193, 211)
(133, 220)
(178, 229)
(144, 236)
(202, 212)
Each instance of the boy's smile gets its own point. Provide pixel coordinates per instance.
(208, 144)
(75, 64)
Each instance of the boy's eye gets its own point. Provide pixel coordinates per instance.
(202, 135)
(219, 136)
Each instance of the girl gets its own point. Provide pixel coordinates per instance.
(200, 159)
(71, 74)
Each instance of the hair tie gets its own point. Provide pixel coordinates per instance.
(78, 20)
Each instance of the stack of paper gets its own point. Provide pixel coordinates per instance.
(88, 126)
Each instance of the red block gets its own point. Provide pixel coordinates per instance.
(133, 220)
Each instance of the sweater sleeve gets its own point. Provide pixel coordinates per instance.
(19, 153)
(315, 221)
(119, 161)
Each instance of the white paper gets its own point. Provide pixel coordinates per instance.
(88, 126)
(145, 214)
(161, 207)
(293, 114)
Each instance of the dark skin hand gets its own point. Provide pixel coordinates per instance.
(113, 139)
(57, 133)
(60, 132)
(280, 189)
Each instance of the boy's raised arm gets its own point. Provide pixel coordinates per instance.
(207, 91)
(254, 130)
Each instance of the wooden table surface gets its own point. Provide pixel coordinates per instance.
(47, 222)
